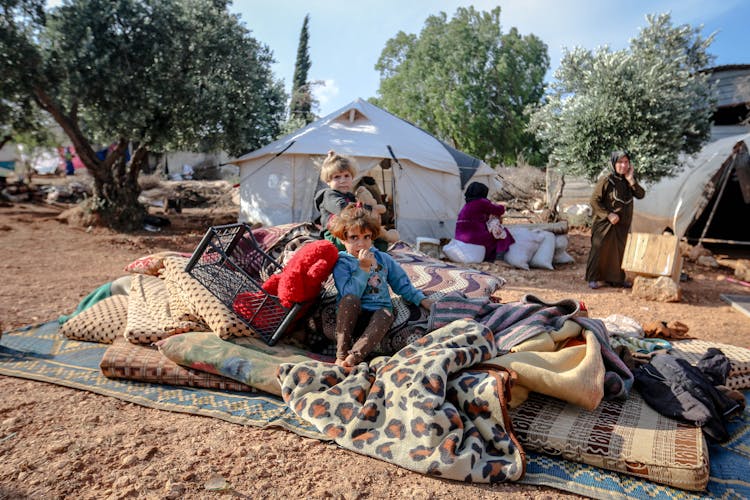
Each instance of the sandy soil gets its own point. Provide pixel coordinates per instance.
(58, 442)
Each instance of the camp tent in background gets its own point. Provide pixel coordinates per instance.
(708, 200)
(423, 176)
(8, 158)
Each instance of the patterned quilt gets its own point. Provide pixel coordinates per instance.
(432, 407)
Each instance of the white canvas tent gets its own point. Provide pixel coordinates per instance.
(423, 176)
(707, 192)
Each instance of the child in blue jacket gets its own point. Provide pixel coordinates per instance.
(363, 275)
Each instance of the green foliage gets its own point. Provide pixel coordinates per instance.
(173, 74)
(19, 117)
(302, 100)
(651, 99)
(466, 82)
(23, 123)
(162, 74)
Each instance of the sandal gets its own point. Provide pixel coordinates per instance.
(594, 285)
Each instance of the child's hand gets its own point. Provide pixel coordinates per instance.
(345, 364)
(613, 218)
(427, 303)
(366, 259)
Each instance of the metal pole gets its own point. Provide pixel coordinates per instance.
(726, 175)
(716, 240)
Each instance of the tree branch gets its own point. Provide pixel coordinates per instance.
(136, 161)
(5, 140)
(74, 110)
(116, 154)
(70, 126)
(553, 213)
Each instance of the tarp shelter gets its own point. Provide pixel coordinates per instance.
(423, 176)
(8, 158)
(710, 197)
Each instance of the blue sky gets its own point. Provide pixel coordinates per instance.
(347, 36)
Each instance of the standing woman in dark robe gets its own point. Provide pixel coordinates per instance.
(612, 204)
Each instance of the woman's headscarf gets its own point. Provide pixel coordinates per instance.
(475, 191)
(616, 155)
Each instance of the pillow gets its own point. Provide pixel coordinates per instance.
(624, 436)
(89, 300)
(179, 308)
(527, 243)
(151, 264)
(120, 286)
(149, 316)
(103, 322)
(543, 256)
(561, 250)
(146, 364)
(220, 319)
(247, 360)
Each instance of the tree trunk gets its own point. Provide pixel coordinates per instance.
(116, 189)
(116, 186)
(559, 227)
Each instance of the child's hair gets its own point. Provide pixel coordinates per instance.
(335, 163)
(357, 216)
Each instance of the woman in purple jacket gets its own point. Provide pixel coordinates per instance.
(471, 226)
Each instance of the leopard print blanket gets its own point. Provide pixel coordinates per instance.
(432, 407)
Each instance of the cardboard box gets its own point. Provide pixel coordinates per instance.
(653, 255)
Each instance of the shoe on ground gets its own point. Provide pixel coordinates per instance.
(594, 285)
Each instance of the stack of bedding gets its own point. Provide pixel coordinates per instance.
(169, 329)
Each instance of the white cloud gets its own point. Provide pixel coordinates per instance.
(326, 93)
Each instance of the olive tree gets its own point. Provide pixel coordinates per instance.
(651, 99)
(150, 74)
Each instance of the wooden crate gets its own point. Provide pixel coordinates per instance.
(653, 255)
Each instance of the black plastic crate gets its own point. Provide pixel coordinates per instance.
(232, 266)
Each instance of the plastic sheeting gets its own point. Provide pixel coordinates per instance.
(676, 202)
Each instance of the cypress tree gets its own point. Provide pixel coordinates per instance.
(300, 106)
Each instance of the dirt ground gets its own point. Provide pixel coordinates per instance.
(58, 442)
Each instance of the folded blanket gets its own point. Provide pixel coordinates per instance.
(516, 322)
(573, 373)
(512, 323)
(640, 345)
(432, 407)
